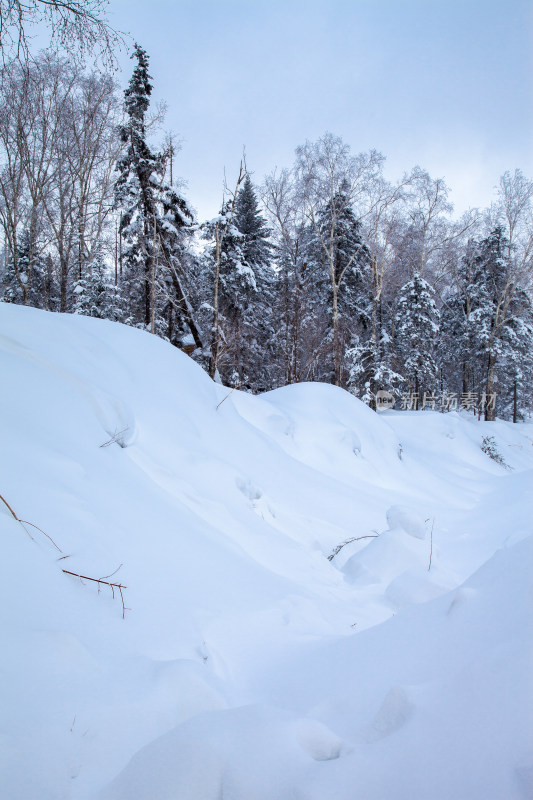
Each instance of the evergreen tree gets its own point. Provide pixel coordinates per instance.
(417, 328)
(341, 249)
(516, 365)
(245, 290)
(302, 340)
(153, 222)
(237, 278)
(231, 282)
(12, 289)
(459, 357)
(96, 295)
(370, 368)
(499, 319)
(26, 275)
(50, 294)
(256, 248)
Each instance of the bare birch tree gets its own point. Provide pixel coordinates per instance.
(79, 26)
(58, 147)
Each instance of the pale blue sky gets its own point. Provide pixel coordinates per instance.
(447, 84)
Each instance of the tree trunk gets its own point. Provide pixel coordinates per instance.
(215, 338)
(489, 411)
(336, 342)
(466, 377)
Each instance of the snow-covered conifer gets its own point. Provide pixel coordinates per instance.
(499, 319)
(416, 331)
(341, 249)
(96, 295)
(154, 218)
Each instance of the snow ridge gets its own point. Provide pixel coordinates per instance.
(250, 665)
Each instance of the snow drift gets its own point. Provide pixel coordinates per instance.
(257, 657)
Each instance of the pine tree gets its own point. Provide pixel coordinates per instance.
(96, 295)
(302, 340)
(499, 319)
(237, 278)
(221, 275)
(460, 364)
(516, 365)
(341, 249)
(370, 368)
(26, 275)
(256, 247)
(416, 331)
(153, 222)
(245, 290)
(12, 289)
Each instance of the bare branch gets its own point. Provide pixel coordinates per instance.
(119, 586)
(339, 547)
(79, 26)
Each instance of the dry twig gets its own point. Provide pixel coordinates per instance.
(115, 439)
(431, 545)
(24, 522)
(113, 586)
(226, 397)
(349, 541)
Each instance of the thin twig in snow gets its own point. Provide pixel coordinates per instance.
(113, 586)
(226, 397)
(115, 440)
(349, 541)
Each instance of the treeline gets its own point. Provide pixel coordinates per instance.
(324, 272)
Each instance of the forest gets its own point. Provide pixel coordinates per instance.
(322, 271)
(265, 512)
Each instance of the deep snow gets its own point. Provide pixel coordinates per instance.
(250, 666)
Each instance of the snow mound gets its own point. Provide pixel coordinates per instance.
(252, 751)
(405, 519)
(271, 639)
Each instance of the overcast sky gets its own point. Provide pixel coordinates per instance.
(447, 84)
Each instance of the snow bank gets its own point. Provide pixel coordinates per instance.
(285, 633)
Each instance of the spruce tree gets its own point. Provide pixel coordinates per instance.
(499, 320)
(96, 295)
(516, 365)
(26, 275)
(341, 249)
(154, 219)
(256, 247)
(301, 339)
(458, 351)
(245, 291)
(221, 275)
(370, 368)
(416, 331)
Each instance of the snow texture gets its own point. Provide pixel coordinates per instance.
(248, 665)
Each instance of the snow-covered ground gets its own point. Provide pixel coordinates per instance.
(249, 666)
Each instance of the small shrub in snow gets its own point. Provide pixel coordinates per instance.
(488, 446)
(119, 437)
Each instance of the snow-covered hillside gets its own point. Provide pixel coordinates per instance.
(250, 666)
